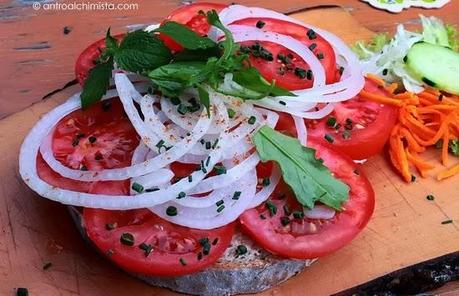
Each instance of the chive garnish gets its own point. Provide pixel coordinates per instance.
(137, 187)
(385, 71)
(215, 241)
(260, 24)
(111, 226)
(92, 139)
(182, 109)
(202, 141)
(171, 211)
(220, 170)
(309, 75)
(182, 261)
(47, 265)
(413, 178)
(231, 113)
(181, 195)
(272, 208)
(207, 160)
(152, 189)
(320, 56)
(175, 101)
(298, 215)
(127, 239)
(160, 144)
(214, 145)
(329, 138)
(84, 168)
(341, 70)
(219, 203)
(282, 103)
(220, 208)
(331, 121)
(252, 120)
(300, 72)
(208, 145)
(357, 172)
(147, 248)
(266, 182)
(190, 178)
(311, 34)
(236, 195)
(285, 220)
(241, 250)
(430, 197)
(312, 46)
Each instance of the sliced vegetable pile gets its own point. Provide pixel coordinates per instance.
(184, 128)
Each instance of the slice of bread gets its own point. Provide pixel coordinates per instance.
(253, 272)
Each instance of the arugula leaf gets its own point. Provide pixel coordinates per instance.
(141, 51)
(310, 180)
(172, 79)
(185, 37)
(97, 83)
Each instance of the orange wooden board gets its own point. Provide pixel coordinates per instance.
(406, 228)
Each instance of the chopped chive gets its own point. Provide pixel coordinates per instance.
(137, 187)
(208, 145)
(357, 172)
(260, 24)
(311, 34)
(171, 211)
(111, 226)
(430, 197)
(298, 215)
(300, 72)
(152, 189)
(252, 120)
(262, 217)
(207, 160)
(203, 241)
(98, 156)
(329, 138)
(220, 208)
(385, 71)
(272, 208)
(182, 261)
(22, 292)
(231, 113)
(245, 49)
(127, 239)
(320, 56)
(47, 265)
(219, 203)
(309, 75)
(313, 46)
(175, 101)
(220, 170)
(241, 250)
(147, 248)
(447, 222)
(190, 178)
(236, 195)
(349, 121)
(413, 178)
(282, 103)
(341, 70)
(285, 220)
(215, 241)
(202, 141)
(160, 144)
(75, 142)
(266, 182)
(84, 168)
(214, 145)
(203, 168)
(181, 195)
(331, 121)
(182, 109)
(92, 139)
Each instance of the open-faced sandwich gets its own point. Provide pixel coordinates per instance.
(213, 153)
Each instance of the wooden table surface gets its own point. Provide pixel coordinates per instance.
(38, 58)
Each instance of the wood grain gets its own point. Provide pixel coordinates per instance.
(39, 58)
(406, 228)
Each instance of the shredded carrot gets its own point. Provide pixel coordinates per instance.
(424, 119)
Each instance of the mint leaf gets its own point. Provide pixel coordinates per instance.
(185, 37)
(97, 83)
(111, 43)
(309, 179)
(141, 51)
(228, 44)
(172, 79)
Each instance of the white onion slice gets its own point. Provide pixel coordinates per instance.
(320, 212)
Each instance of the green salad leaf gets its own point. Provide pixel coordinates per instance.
(185, 37)
(364, 49)
(97, 83)
(309, 179)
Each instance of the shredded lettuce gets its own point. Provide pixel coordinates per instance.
(384, 57)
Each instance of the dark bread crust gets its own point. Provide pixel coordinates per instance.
(254, 272)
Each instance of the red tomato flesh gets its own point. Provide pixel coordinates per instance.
(304, 238)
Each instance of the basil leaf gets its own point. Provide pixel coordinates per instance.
(228, 44)
(251, 78)
(309, 179)
(185, 37)
(197, 54)
(97, 83)
(141, 51)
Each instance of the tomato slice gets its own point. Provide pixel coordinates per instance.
(190, 16)
(284, 64)
(361, 127)
(87, 58)
(175, 250)
(304, 238)
(100, 137)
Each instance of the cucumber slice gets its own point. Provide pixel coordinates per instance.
(435, 65)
